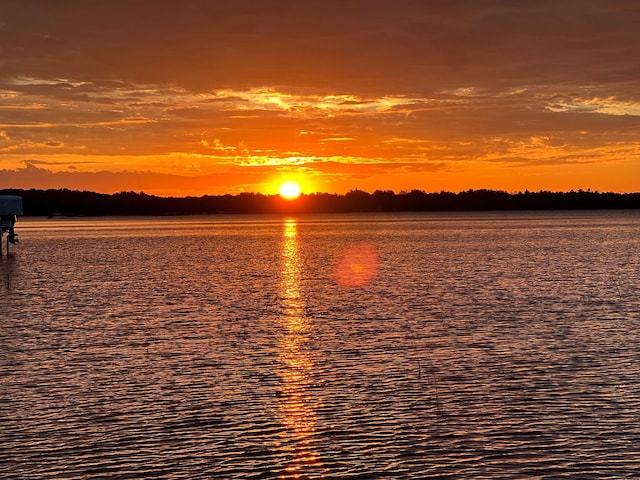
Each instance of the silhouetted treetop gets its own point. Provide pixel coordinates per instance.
(70, 202)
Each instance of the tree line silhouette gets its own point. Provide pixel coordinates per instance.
(86, 203)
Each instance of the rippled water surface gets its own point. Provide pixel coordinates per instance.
(472, 346)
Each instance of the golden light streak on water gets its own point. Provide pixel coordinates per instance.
(297, 403)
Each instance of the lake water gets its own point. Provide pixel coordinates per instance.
(459, 346)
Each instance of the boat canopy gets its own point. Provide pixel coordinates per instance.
(10, 205)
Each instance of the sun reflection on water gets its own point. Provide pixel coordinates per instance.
(298, 406)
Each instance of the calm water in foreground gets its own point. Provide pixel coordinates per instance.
(464, 346)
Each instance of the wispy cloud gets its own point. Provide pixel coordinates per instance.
(605, 106)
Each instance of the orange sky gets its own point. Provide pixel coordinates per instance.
(196, 97)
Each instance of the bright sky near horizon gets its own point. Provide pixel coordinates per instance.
(196, 97)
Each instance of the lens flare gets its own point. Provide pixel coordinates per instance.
(357, 265)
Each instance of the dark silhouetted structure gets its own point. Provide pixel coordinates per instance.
(10, 207)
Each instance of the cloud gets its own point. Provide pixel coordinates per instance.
(605, 106)
(175, 88)
(66, 163)
(232, 181)
(370, 46)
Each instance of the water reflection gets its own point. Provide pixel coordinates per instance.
(7, 271)
(298, 405)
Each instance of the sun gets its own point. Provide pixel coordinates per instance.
(290, 190)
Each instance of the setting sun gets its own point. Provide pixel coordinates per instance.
(290, 190)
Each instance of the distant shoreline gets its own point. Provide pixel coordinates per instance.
(73, 203)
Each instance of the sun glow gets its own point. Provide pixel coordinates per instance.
(290, 190)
